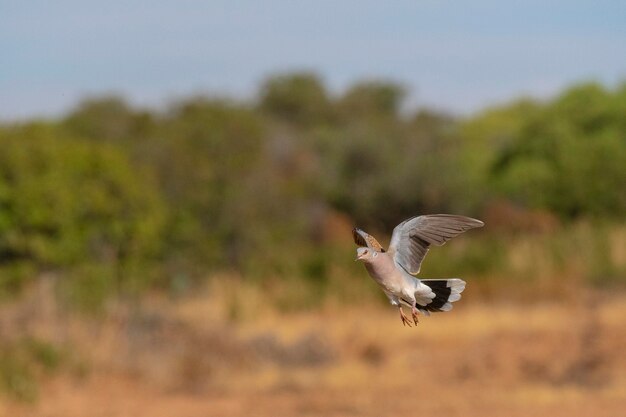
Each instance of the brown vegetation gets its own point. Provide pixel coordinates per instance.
(188, 358)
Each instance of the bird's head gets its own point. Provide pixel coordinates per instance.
(365, 254)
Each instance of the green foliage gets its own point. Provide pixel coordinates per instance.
(116, 200)
(296, 98)
(382, 170)
(566, 156)
(22, 362)
(371, 99)
(209, 151)
(66, 202)
(105, 119)
(16, 377)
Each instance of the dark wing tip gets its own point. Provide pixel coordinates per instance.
(363, 239)
(358, 238)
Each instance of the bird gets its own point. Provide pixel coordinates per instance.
(394, 269)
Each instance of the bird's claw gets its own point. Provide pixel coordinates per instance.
(405, 319)
(415, 313)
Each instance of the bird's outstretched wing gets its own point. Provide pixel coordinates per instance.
(363, 239)
(412, 238)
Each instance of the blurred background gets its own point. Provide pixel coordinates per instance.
(179, 181)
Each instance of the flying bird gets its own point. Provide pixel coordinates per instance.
(394, 269)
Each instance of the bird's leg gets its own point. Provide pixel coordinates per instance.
(414, 313)
(405, 319)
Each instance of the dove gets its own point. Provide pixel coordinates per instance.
(394, 269)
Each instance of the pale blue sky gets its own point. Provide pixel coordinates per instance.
(454, 55)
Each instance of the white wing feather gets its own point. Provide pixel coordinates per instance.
(412, 238)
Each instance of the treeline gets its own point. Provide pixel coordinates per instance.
(113, 199)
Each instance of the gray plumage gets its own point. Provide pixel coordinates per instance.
(393, 270)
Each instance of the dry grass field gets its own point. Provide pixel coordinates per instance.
(188, 359)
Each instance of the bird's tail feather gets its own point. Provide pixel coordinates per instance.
(446, 292)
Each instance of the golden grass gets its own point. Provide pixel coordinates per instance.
(192, 358)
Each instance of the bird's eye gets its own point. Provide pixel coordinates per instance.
(365, 252)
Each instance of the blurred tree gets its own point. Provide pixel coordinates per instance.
(380, 172)
(209, 150)
(483, 140)
(567, 156)
(106, 119)
(296, 98)
(115, 198)
(372, 99)
(66, 202)
(111, 120)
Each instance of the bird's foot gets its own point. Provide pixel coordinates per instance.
(405, 319)
(415, 313)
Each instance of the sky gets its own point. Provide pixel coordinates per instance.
(458, 56)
